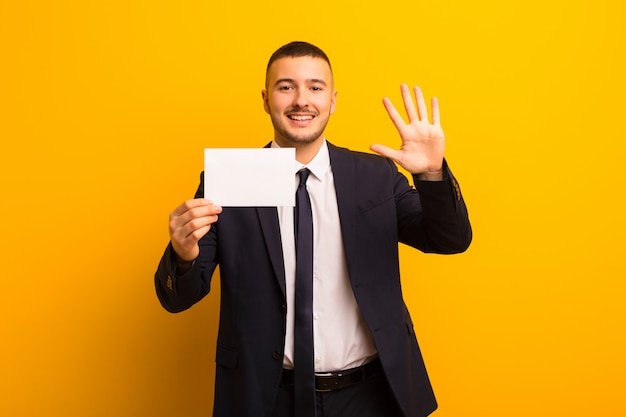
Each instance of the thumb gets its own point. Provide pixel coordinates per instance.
(385, 151)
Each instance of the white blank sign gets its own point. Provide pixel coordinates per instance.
(254, 177)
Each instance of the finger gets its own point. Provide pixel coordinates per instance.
(199, 233)
(421, 104)
(184, 224)
(192, 231)
(186, 246)
(190, 204)
(193, 208)
(397, 120)
(192, 228)
(198, 217)
(408, 103)
(385, 151)
(435, 105)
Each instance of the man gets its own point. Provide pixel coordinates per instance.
(363, 359)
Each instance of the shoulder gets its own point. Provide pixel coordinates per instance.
(340, 155)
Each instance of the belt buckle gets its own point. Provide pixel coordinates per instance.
(328, 381)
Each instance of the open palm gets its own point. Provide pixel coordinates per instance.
(423, 142)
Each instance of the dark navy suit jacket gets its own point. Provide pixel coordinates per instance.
(377, 209)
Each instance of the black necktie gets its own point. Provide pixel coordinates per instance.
(304, 377)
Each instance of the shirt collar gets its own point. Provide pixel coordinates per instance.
(319, 164)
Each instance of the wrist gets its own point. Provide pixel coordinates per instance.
(430, 176)
(182, 265)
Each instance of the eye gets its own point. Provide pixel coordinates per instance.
(316, 88)
(284, 87)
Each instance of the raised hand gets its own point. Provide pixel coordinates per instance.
(423, 142)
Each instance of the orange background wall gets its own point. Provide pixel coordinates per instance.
(105, 107)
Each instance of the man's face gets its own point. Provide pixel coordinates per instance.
(299, 99)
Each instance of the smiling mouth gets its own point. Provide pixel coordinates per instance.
(301, 118)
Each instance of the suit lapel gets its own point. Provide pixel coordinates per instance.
(345, 188)
(268, 217)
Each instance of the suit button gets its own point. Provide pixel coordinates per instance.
(283, 307)
(276, 355)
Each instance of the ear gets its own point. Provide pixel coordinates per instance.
(266, 101)
(333, 102)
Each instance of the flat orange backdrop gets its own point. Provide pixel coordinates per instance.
(106, 107)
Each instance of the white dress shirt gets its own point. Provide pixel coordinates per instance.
(341, 337)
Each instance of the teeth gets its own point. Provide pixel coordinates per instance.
(294, 117)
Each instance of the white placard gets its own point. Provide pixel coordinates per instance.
(255, 177)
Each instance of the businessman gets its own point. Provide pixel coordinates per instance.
(312, 319)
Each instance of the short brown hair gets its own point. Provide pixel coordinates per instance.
(297, 49)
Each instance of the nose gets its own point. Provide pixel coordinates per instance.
(300, 99)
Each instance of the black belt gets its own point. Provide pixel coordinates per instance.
(329, 381)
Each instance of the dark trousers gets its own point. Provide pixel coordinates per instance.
(369, 398)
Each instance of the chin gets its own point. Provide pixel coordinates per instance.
(302, 139)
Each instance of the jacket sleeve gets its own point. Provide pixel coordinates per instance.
(177, 293)
(438, 221)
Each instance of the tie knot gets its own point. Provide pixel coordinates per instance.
(304, 175)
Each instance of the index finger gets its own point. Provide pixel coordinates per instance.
(397, 120)
(191, 204)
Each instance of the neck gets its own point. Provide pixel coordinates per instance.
(305, 152)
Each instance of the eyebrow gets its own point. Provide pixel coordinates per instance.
(310, 81)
